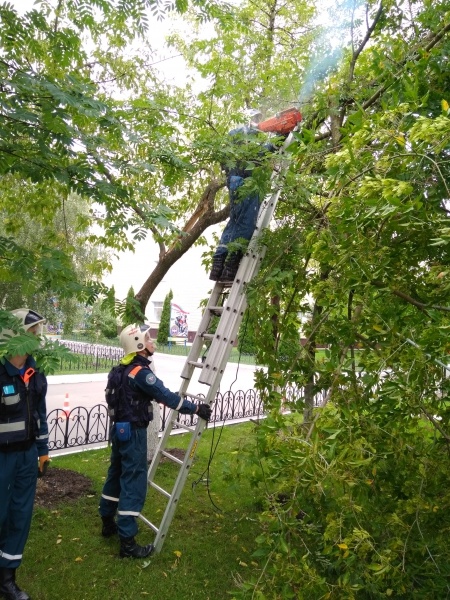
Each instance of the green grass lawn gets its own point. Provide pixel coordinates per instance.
(205, 553)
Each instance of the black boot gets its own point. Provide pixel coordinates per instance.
(109, 527)
(9, 590)
(231, 267)
(217, 267)
(130, 549)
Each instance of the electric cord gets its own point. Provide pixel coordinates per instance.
(213, 448)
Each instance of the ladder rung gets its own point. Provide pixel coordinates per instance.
(172, 457)
(195, 364)
(159, 489)
(149, 523)
(216, 310)
(187, 427)
(208, 336)
(199, 398)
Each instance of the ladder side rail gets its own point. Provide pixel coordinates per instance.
(247, 270)
(236, 304)
(177, 489)
(183, 472)
(172, 417)
(227, 329)
(205, 321)
(269, 203)
(170, 423)
(162, 444)
(222, 355)
(225, 332)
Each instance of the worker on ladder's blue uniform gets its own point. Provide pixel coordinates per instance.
(244, 207)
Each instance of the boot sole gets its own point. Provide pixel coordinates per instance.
(124, 555)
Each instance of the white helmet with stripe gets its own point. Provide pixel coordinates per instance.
(133, 338)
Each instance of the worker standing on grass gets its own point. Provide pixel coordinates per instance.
(244, 205)
(23, 451)
(132, 386)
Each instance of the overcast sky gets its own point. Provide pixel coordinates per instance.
(187, 278)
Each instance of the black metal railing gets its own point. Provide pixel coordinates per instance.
(88, 357)
(83, 427)
(78, 427)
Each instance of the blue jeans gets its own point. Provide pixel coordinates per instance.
(125, 487)
(243, 216)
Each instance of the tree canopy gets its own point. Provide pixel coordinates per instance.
(356, 262)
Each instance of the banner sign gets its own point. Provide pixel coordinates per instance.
(178, 321)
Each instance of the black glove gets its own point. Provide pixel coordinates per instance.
(204, 411)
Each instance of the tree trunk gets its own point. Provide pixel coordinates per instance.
(310, 348)
(203, 217)
(153, 431)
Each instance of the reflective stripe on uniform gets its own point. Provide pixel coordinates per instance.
(110, 498)
(17, 426)
(10, 556)
(10, 400)
(180, 404)
(128, 513)
(134, 371)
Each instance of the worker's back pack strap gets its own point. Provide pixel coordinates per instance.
(124, 402)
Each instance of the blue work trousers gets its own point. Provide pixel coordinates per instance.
(18, 477)
(125, 487)
(243, 216)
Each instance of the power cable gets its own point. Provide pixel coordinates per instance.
(213, 448)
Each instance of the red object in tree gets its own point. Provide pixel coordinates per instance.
(282, 123)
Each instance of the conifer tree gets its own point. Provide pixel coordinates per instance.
(164, 324)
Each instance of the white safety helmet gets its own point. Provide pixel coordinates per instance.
(133, 338)
(30, 318)
(254, 115)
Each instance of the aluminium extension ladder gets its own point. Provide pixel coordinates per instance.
(227, 301)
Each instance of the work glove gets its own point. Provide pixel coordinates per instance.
(204, 411)
(44, 461)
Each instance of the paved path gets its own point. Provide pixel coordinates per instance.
(88, 389)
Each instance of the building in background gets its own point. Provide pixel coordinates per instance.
(187, 279)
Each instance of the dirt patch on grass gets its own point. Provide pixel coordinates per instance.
(61, 485)
(177, 452)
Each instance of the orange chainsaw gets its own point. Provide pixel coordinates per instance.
(282, 123)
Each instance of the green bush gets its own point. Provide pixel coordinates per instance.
(359, 510)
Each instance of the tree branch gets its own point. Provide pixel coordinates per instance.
(185, 241)
(420, 305)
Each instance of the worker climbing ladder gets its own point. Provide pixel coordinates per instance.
(228, 303)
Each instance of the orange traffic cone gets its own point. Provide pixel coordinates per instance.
(66, 406)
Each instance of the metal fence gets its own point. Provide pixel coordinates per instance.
(88, 357)
(84, 427)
